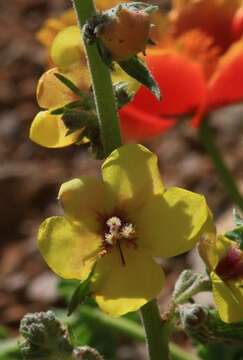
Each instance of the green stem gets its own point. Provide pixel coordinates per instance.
(129, 328)
(157, 332)
(207, 139)
(102, 84)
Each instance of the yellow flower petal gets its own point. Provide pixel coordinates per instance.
(69, 250)
(82, 197)
(228, 299)
(119, 289)
(67, 48)
(208, 251)
(223, 244)
(171, 224)
(133, 175)
(49, 130)
(51, 92)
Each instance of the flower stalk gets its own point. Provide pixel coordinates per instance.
(227, 179)
(157, 332)
(101, 83)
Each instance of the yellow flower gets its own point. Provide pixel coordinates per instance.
(68, 57)
(67, 53)
(224, 260)
(121, 222)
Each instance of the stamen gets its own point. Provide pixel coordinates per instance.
(128, 231)
(109, 238)
(114, 223)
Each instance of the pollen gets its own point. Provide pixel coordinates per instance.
(200, 47)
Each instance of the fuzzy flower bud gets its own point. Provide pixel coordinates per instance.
(45, 338)
(205, 326)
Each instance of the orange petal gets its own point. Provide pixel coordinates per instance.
(237, 23)
(182, 85)
(226, 85)
(141, 125)
(214, 17)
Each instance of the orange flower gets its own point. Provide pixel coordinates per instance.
(198, 63)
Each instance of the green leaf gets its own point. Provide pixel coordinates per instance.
(237, 233)
(70, 84)
(219, 351)
(66, 288)
(237, 218)
(136, 69)
(80, 294)
(188, 284)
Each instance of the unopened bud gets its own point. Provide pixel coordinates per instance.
(193, 316)
(127, 34)
(44, 337)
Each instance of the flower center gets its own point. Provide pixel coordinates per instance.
(230, 266)
(118, 233)
(201, 48)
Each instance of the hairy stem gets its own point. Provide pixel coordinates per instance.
(102, 84)
(157, 332)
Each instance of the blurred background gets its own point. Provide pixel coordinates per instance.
(30, 175)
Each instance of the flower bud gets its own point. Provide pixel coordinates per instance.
(44, 336)
(127, 34)
(193, 316)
